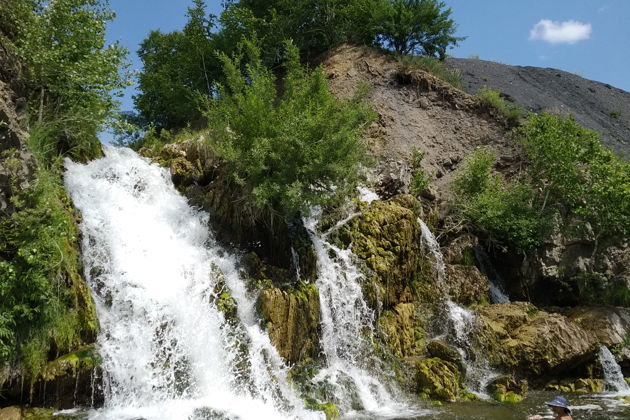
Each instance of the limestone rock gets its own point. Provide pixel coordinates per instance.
(438, 379)
(291, 318)
(401, 330)
(519, 337)
(506, 388)
(10, 413)
(461, 250)
(466, 284)
(438, 348)
(611, 325)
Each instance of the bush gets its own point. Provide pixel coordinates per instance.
(493, 100)
(419, 178)
(290, 151)
(570, 169)
(500, 210)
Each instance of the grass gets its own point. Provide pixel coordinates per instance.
(433, 66)
(492, 99)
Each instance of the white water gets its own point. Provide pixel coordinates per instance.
(460, 324)
(347, 327)
(168, 352)
(497, 291)
(613, 377)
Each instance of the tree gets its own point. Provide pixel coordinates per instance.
(288, 152)
(73, 76)
(418, 27)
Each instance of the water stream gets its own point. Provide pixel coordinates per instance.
(168, 351)
(459, 325)
(613, 377)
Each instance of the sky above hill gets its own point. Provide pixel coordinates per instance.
(586, 37)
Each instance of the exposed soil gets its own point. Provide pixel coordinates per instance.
(416, 110)
(598, 106)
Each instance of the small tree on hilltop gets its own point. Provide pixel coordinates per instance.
(418, 27)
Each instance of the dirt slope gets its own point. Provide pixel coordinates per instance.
(415, 110)
(598, 106)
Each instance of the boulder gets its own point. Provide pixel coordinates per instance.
(466, 284)
(439, 349)
(10, 413)
(292, 318)
(580, 386)
(519, 337)
(438, 379)
(506, 388)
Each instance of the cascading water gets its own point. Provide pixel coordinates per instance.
(347, 328)
(613, 377)
(460, 323)
(168, 351)
(497, 290)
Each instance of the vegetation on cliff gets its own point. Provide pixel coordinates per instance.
(569, 176)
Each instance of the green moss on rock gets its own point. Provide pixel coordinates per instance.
(437, 379)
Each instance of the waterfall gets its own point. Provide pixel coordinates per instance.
(154, 269)
(347, 326)
(459, 324)
(497, 290)
(612, 372)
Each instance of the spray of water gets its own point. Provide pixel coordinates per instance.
(168, 351)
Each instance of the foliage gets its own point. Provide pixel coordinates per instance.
(433, 66)
(501, 210)
(176, 66)
(418, 27)
(569, 174)
(572, 170)
(419, 178)
(70, 72)
(492, 99)
(40, 306)
(286, 151)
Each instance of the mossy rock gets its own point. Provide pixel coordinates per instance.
(439, 349)
(330, 409)
(507, 389)
(438, 379)
(580, 386)
(291, 318)
(386, 236)
(401, 330)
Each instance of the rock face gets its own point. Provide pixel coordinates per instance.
(17, 164)
(438, 379)
(530, 342)
(292, 320)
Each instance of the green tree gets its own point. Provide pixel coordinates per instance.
(70, 71)
(285, 152)
(421, 27)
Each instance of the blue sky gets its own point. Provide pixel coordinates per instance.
(587, 37)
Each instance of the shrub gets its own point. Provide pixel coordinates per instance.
(570, 168)
(289, 151)
(419, 178)
(492, 99)
(500, 210)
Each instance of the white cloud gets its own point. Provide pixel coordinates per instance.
(568, 32)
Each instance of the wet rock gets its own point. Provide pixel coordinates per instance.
(439, 349)
(291, 318)
(581, 386)
(437, 379)
(401, 330)
(611, 325)
(467, 285)
(506, 388)
(519, 337)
